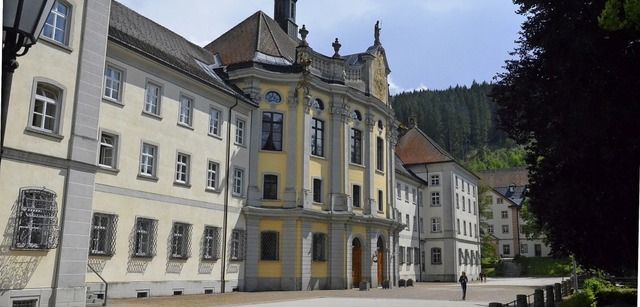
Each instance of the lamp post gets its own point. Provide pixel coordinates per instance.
(22, 22)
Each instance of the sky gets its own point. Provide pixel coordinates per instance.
(430, 44)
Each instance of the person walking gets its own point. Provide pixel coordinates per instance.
(463, 282)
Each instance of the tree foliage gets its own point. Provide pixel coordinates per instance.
(572, 96)
(497, 159)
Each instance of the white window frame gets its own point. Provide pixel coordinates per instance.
(435, 199)
(183, 168)
(36, 220)
(490, 229)
(53, 27)
(145, 237)
(148, 161)
(152, 98)
(505, 228)
(211, 243)
(436, 255)
(42, 105)
(240, 131)
(435, 180)
(103, 234)
(180, 240)
(185, 110)
(436, 225)
(215, 116)
(238, 182)
(113, 85)
(105, 148)
(237, 245)
(504, 214)
(213, 168)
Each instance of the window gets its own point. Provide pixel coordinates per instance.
(317, 137)
(181, 241)
(270, 187)
(466, 257)
(406, 193)
(464, 226)
(436, 255)
(36, 220)
(272, 131)
(398, 190)
(506, 249)
(30, 302)
(537, 250)
(504, 214)
(379, 154)
(317, 104)
(108, 150)
(463, 185)
(214, 121)
(182, 168)
(414, 195)
(45, 114)
(415, 224)
(237, 245)
(420, 198)
(272, 97)
(435, 180)
(212, 175)
(185, 115)
(409, 255)
(421, 225)
(240, 131)
(317, 190)
(435, 199)
(464, 205)
(401, 254)
(211, 243)
(356, 146)
(490, 229)
(524, 248)
(457, 201)
(460, 256)
(269, 246)
(103, 234)
(505, 228)
(145, 237)
(238, 181)
(435, 224)
(152, 98)
(113, 78)
(458, 225)
(408, 221)
(380, 200)
(499, 200)
(57, 26)
(148, 160)
(319, 247)
(356, 196)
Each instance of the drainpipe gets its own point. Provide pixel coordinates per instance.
(226, 202)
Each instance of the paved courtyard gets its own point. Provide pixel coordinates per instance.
(422, 294)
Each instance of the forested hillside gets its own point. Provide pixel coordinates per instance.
(461, 119)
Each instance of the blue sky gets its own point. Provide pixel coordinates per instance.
(430, 44)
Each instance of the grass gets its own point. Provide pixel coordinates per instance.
(545, 266)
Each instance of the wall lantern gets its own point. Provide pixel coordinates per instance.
(22, 22)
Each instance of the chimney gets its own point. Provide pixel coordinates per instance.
(285, 16)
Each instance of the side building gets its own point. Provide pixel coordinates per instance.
(451, 242)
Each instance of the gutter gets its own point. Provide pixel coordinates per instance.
(226, 202)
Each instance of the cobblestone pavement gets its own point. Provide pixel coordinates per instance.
(502, 290)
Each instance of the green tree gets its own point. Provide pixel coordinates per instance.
(572, 96)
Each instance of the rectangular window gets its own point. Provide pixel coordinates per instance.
(506, 249)
(185, 116)
(212, 175)
(145, 238)
(108, 150)
(356, 146)
(240, 131)
(272, 131)
(408, 221)
(504, 214)
(269, 246)
(464, 205)
(57, 25)
(436, 255)
(490, 229)
(319, 247)
(211, 243)
(380, 200)
(435, 180)
(537, 248)
(270, 187)
(415, 224)
(36, 224)
(103, 234)
(458, 225)
(406, 193)
(356, 196)
(31, 302)
(457, 201)
(317, 190)
(45, 114)
(421, 225)
(464, 226)
(499, 200)
(420, 198)
(238, 182)
(505, 228)
(435, 224)
(113, 80)
(409, 255)
(317, 137)
(379, 154)
(148, 160)
(152, 98)
(401, 255)
(416, 255)
(399, 190)
(237, 251)
(182, 168)
(214, 121)
(435, 199)
(524, 248)
(414, 195)
(181, 241)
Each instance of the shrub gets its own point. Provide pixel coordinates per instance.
(582, 299)
(409, 282)
(402, 283)
(385, 284)
(595, 285)
(617, 297)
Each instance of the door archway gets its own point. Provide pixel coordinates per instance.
(356, 262)
(380, 257)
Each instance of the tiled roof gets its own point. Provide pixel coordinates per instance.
(415, 147)
(143, 35)
(253, 38)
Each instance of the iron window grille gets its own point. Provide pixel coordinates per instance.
(181, 241)
(25, 303)
(103, 234)
(211, 243)
(319, 247)
(237, 247)
(145, 238)
(269, 246)
(36, 221)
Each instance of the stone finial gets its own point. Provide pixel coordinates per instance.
(376, 33)
(336, 47)
(303, 33)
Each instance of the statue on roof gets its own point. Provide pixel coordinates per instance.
(376, 33)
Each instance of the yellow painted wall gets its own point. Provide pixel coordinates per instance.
(271, 268)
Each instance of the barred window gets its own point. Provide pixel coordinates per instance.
(181, 241)
(103, 234)
(36, 225)
(145, 237)
(319, 246)
(32, 302)
(211, 243)
(237, 247)
(269, 246)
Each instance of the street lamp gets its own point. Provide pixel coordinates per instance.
(22, 22)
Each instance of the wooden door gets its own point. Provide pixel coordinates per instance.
(380, 266)
(356, 266)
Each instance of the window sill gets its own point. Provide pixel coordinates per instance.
(151, 115)
(148, 178)
(112, 101)
(46, 133)
(186, 126)
(182, 184)
(239, 144)
(209, 259)
(142, 257)
(356, 164)
(108, 169)
(212, 190)
(215, 136)
(55, 44)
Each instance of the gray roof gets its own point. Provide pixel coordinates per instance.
(136, 32)
(515, 194)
